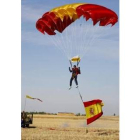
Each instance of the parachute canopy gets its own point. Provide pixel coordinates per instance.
(61, 17)
(93, 110)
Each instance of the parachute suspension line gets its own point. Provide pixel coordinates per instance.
(97, 30)
(60, 44)
(90, 39)
(89, 42)
(77, 45)
(85, 31)
(70, 63)
(64, 44)
(67, 42)
(78, 62)
(80, 37)
(80, 44)
(56, 41)
(72, 44)
(25, 104)
(80, 94)
(74, 40)
(57, 44)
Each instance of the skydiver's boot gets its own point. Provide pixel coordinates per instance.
(76, 86)
(70, 87)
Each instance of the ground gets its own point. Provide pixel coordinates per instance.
(53, 127)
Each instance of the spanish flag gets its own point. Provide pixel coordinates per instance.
(29, 97)
(93, 110)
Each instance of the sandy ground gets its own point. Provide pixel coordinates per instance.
(49, 127)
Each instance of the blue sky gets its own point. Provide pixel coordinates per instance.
(45, 72)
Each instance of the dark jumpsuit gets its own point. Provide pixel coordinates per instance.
(75, 72)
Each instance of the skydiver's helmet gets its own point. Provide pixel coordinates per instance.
(74, 66)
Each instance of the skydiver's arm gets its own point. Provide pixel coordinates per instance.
(70, 69)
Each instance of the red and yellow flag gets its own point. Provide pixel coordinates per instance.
(29, 97)
(93, 110)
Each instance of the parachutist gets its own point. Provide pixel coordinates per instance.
(75, 71)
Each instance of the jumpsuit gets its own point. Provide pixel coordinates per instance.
(75, 72)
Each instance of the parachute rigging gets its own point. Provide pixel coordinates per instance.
(80, 35)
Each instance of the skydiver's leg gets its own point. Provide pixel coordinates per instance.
(76, 82)
(71, 81)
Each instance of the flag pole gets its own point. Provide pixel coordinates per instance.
(83, 102)
(25, 104)
(86, 130)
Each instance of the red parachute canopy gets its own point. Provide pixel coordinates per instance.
(61, 17)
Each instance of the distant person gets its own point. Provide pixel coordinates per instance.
(23, 117)
(75, 71)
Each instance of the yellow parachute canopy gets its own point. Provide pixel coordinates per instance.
(75, 59)
(67, 10)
